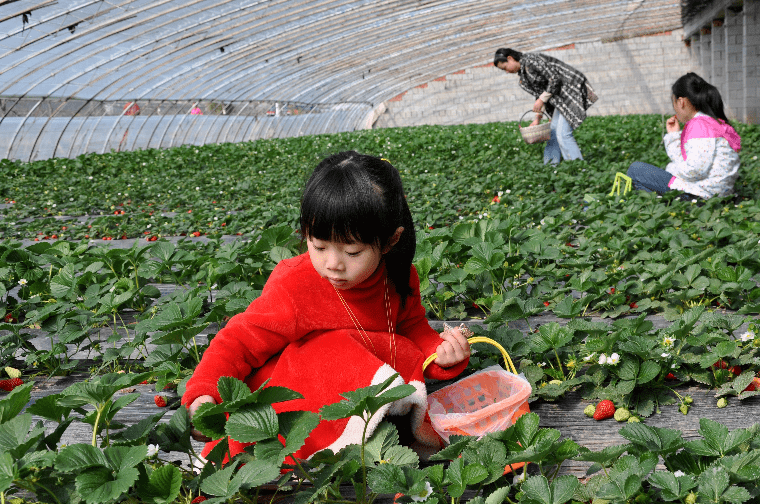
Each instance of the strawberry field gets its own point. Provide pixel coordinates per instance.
(122, 266)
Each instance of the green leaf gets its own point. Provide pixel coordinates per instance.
(649, 371)
(402, 456)
(390, 478)
(272, 395)
(365, 399)
(163, 250)
(162, 487)
(396, 393)
(536, 488)
(563, 488)
(63, 285)
(295, 427)
(78, 457)
(123, 457)
(15, 402)
(257, 472)
(497, 496)
(568, 308)
(100, 485)
(221, 483)
(210, 419)
(712, 483)
(628, 369)
(551, 336)
(253, 423)
(7, 472)
(526, 428)
(606, 456)
(99, 390)
(456, 479)
(656, 440)
(736, 494)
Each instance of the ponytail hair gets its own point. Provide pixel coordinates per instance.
(703, 96)
(502, 54)
(352, 197)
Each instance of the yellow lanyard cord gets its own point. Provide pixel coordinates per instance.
(480, 339)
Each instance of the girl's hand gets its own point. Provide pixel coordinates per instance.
(671, 125)
(454, 349)
(536, 121)
(191, 411)
(538, 106)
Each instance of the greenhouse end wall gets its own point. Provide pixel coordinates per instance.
(631, 76)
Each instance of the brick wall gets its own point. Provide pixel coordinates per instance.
(631, 76)
(751, 60)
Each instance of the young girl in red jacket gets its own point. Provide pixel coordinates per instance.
(347, 314)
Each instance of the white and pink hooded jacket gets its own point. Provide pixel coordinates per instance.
(704, 157)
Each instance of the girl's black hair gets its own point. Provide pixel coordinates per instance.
(501, 55)
(352, 197)
(704, 96)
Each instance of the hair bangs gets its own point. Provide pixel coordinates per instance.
(344, 209)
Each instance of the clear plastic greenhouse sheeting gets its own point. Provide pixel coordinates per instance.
(68, 68)
(35, 138)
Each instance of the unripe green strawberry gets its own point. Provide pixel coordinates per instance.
(555, 382)
(589, 411)
(634, 419)
(688, 400)
(722, 402)
(13, 372)
(683, 408)
(691, 498)
(622, 414)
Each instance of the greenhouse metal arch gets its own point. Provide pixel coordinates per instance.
(82, 76)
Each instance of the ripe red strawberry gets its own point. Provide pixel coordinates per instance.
(11, 384)
(671, 376)
(735, 370)
(546, 303)
(753, 385)
(198, 499)
(720, 364)
(160, 401)
(605, 409)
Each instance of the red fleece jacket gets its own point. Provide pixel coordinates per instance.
(299, 335)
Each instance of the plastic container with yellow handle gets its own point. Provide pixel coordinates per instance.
(487, 401)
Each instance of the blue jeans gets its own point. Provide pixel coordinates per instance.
(562, 143)
(648, 177)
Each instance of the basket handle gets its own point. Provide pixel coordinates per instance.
(480, 339)
(528, 112)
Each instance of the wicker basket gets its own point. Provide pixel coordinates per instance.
(535, 134)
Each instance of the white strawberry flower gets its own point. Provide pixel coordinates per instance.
(602, 359)
(424, 494)
(152, 450)
(613, 359)
(747, 336)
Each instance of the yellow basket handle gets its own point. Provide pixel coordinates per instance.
(480, 339)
